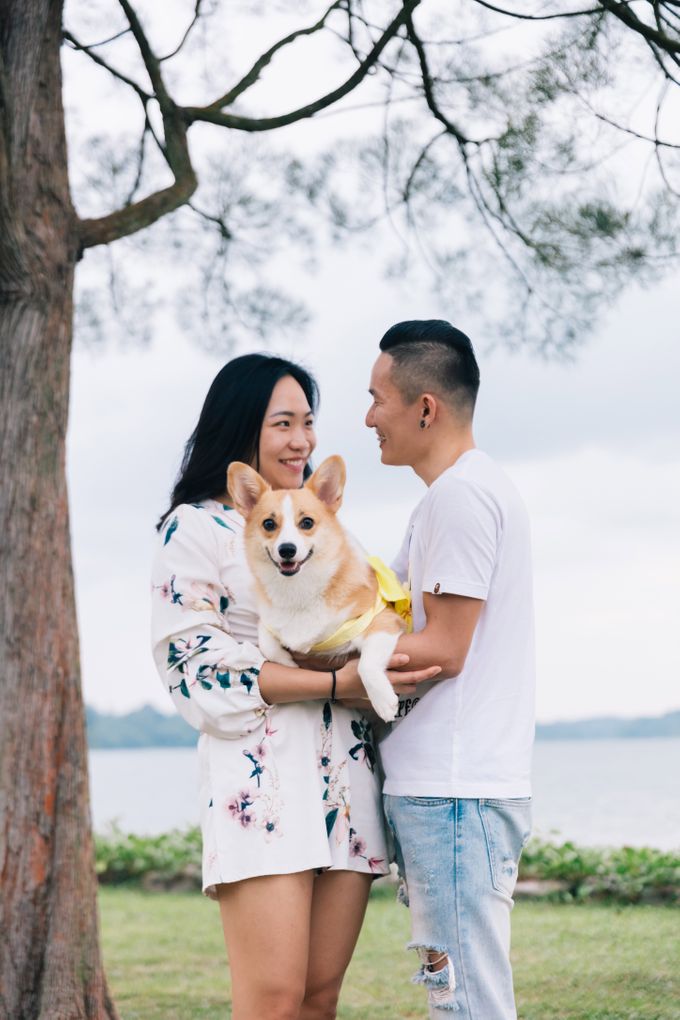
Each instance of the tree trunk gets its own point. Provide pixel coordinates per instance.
(50, 964)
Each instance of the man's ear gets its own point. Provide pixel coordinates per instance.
(245, 487)
(328, 482)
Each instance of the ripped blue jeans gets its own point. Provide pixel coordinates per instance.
(458, 861)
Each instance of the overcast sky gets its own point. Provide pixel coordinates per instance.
(594, 447)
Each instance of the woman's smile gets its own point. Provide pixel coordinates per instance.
(287, 439)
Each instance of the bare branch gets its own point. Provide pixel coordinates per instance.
(214, 116)
(428, 87)
(151, 61)
(71, 39)
(537, 17)
(253, 74)
(406, 194)
(190, 28)
(657, 142)
(218, 221)
(140, 165)
(659, 61)
(131, 218)
(105, 42)
(624, 13)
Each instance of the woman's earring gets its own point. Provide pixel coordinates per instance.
(423, 423)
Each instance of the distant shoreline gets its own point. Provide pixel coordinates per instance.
(148, 727)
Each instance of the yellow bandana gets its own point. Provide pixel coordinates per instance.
(391, 592)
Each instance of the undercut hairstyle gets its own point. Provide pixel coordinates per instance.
(432, 356)
(230, 424)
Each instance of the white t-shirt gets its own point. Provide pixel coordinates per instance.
(470, 735)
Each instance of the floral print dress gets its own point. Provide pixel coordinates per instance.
(283, 788)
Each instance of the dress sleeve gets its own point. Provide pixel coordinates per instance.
(211, 677)
(463, 530)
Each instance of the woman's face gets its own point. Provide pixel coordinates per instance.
(287, 438)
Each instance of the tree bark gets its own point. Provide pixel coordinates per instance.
(50, 964)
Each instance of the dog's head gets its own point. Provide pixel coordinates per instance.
(288, 528)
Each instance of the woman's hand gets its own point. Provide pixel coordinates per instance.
(350, 688)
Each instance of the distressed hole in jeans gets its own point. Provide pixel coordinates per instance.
(437, 975)
(402, 893)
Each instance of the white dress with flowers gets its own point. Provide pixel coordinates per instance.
(283, 788)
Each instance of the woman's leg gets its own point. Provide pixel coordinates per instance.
(266, 923)
(338, 907)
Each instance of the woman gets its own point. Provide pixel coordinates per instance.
(289, 798)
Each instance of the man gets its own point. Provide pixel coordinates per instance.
(457, 759)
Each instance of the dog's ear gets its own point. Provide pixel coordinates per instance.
(328, 482)
(245, 487)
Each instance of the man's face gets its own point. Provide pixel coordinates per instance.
(395, 422)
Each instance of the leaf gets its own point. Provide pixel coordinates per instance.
(224, 603)
(354, 751)
(327, 714)
(247, 682)
(330, 820)
(183, 688)
(223, 679)
(357, 729)
(222, 524)
(172, 528)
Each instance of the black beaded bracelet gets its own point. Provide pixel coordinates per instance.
(334, 682)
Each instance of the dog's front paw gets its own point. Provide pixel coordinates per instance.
(386, 704)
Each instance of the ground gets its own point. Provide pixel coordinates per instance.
(165, 960)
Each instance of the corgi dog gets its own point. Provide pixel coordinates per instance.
(315, 587)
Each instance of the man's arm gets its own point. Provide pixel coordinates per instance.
(447, 635)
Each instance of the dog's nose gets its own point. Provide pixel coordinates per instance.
(287, 551)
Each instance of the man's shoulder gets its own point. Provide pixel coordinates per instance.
(480, 476)
(475, 478)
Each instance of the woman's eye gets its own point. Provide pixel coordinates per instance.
(306, 523)
(269, 524)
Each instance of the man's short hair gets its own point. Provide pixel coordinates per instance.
(432, 356)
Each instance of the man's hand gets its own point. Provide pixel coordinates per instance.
(350, 688)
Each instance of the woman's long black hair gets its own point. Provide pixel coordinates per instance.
(230, 423)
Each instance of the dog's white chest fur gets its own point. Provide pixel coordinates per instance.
(297, 611)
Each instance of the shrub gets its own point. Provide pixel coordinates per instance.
(626, 874)
(124, 857)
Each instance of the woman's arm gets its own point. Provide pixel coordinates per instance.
(212, 678)
(282, 684)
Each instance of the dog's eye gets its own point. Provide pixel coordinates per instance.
(269, 524)
(306, 523)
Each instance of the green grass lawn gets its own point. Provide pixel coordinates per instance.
(165, 960)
